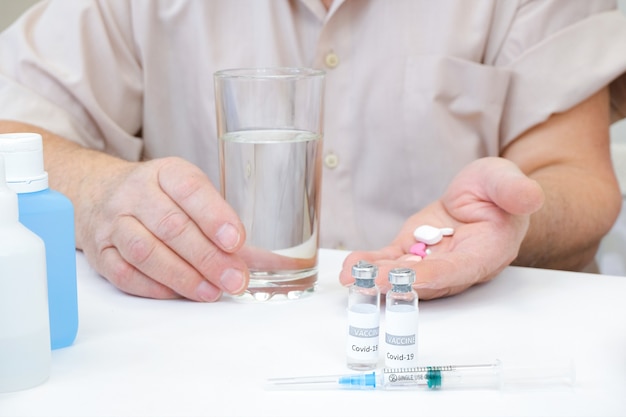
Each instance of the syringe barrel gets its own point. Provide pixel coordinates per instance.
(435, 377)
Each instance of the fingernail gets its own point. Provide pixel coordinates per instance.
(208, 292)
(232, 280)
(413, 258)
(228, 236)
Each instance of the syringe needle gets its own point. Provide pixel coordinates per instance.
(304, 382)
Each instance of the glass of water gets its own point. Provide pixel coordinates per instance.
(270, 130)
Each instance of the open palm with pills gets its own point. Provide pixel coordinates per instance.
(467, 236)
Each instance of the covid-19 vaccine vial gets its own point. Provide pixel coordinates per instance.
(363, 318)
(401, 320)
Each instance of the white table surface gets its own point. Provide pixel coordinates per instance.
(142, 357)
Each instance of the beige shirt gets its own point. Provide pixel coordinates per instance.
(415, 89)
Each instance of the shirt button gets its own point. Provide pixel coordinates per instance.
(331, 160)
(331, 60)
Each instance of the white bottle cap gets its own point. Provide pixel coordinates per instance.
(8, 199)
(23, 157)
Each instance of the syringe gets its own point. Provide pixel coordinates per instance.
(492, 375)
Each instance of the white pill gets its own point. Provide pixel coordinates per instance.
(431, 235)
(447, 231)
(428, 234)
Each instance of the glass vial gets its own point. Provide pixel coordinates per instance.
(363, 318)
(50, 215)
(24, 325)
(401, 319)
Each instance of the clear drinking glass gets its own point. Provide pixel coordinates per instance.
(270, 130)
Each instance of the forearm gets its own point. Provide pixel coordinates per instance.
(569, 156)
(77, 172)
(577, 213)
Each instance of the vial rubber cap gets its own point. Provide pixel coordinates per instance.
(364, 270)
(402, 276)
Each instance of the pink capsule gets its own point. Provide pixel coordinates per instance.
(418, 249)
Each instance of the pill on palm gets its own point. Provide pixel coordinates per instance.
(419, 249)
(428, 234)
(420, 246)
(447, 231)
(431, 235)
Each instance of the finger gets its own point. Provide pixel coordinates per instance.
(515, 192)
(129, 279)
(438, 274)
(431, 294)
(150, 256)
(197, 197)
(172, 226)
(442, 276)
(496, 180)
(427, 285)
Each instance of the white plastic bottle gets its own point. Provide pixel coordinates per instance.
(24, 324)
(50, 215)
(363, 318)
(401, 320)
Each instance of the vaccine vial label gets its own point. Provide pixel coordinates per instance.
(401, 336)
(363, 332)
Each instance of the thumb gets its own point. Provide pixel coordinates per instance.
(514, 192)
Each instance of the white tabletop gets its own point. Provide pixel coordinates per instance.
(142, 357)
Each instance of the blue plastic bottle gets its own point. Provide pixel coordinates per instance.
(50, 215)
